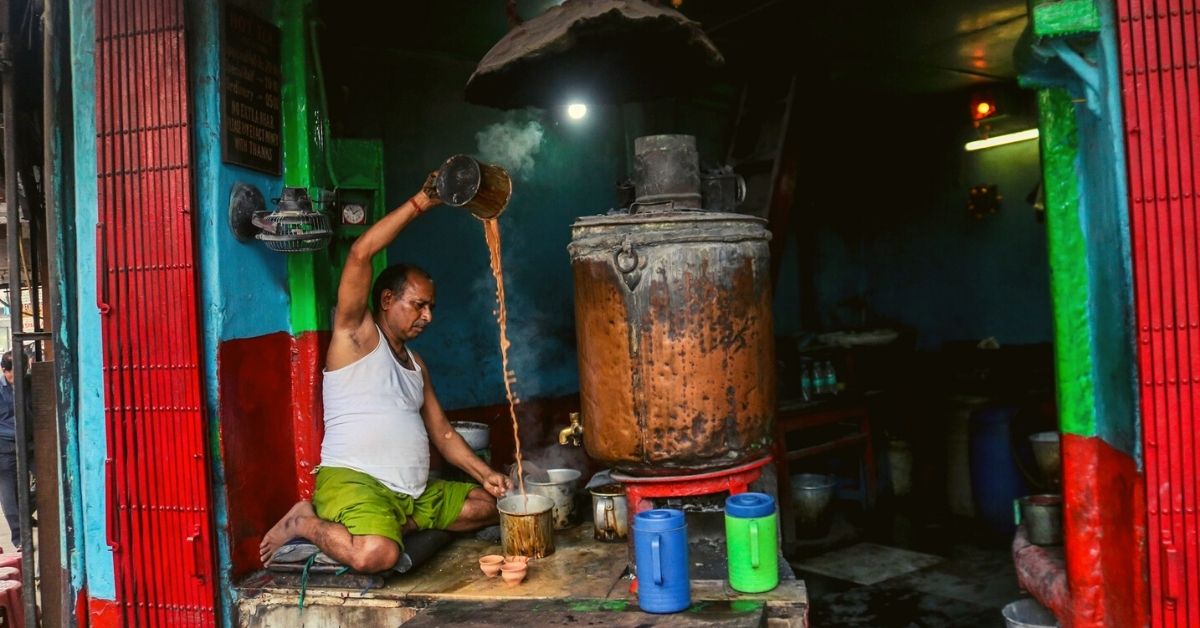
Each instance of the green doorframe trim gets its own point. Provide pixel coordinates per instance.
(308, 273)
(1068, 263)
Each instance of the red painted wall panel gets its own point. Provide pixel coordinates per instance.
(308, 414)
(257, 447)
(1160, 94)
(157, 486)
(1104, 508)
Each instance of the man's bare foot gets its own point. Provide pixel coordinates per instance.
(285, 530)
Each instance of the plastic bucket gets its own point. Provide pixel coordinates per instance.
(812, 494)
(1028, 614)
(560, 489)
(996, 481)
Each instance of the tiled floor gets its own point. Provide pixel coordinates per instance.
(898, 573)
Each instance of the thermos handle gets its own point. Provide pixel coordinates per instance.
(754, 544)
(656, 558)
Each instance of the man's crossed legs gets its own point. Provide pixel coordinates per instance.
(360, 523)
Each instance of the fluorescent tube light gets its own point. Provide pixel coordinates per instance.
(1001, 140)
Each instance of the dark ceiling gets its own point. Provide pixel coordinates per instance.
(930, 46)
(894, 45)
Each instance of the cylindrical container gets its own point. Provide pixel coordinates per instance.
(526, 525)
(722, 190)
(661, 553)
(1042, 516)
(561, 490)
(751, 547)
(900, 463)
(666, 172)
(812, 494)
(1028, 613)
(485, 189)
(1047, 453)
(610, 514)
(958, 458)
(675, 340)
(996, 481)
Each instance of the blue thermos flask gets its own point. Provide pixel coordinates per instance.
(661, 551)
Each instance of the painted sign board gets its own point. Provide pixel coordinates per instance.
(251, 124)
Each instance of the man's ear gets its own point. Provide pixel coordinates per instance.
(385, 299)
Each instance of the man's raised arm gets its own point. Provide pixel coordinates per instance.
(354, 289)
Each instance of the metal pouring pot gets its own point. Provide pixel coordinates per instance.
(610, 513)
(485, 189)
(526, 525)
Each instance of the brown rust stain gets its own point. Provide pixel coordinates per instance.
(605, 369)
(527, 535)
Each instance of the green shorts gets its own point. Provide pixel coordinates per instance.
(365, 506)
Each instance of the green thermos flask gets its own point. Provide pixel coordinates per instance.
(750, 537)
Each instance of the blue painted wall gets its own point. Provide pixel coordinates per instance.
(244, 286)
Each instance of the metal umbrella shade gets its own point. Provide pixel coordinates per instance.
(595, 51)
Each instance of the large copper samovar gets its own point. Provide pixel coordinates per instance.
(676, 347)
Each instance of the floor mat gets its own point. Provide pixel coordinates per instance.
(868, 563)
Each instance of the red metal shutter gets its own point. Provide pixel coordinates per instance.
(160, 521)
(1161, 98)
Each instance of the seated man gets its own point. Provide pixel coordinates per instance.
(380, 414)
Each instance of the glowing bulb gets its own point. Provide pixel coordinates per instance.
(983, 109)
(576, 111)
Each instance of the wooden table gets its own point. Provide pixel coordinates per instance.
(848, 409)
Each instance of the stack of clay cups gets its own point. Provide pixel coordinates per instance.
(512, 568)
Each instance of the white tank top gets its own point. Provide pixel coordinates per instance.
(373, 420)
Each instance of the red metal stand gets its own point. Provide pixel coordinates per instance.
(640, 491)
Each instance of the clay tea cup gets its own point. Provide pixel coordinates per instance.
(490, 565)
(524, 560)
(513, 573)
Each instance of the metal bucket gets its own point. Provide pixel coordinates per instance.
(526, 525)
(485, 189)
(1028, 614)
(812, 494)
(561, 490)
(1042, 516)
(610, 513)
(477, 435)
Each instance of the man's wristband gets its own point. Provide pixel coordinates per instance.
(417, 205)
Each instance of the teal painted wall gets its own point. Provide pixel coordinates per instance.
(573, 174)
(86, 454)
(895, 244)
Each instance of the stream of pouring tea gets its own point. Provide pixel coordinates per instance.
(491, 233)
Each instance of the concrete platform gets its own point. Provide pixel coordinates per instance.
(583, 581)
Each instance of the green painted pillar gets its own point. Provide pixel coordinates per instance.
(309, 274)
(1068, 263)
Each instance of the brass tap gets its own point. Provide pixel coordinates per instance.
(574, 433)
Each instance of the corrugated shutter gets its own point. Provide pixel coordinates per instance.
(159, 498)
(1161, 96)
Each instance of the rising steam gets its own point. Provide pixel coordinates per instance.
(511, 144)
